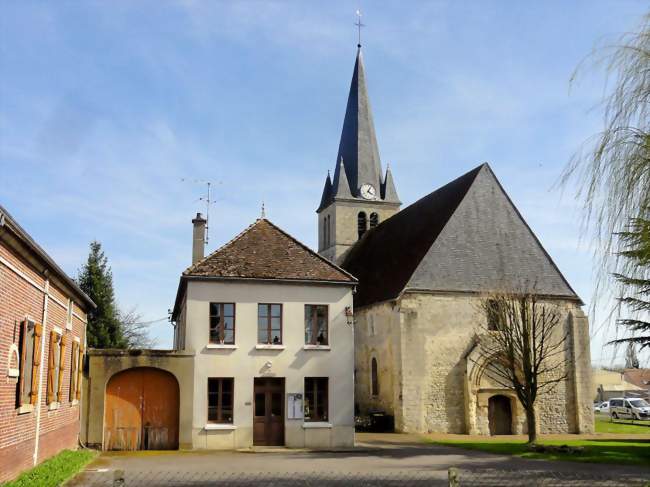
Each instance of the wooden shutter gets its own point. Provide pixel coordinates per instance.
(61, 369)
(23, 351)
(51, 368)
(74, 364)
(36, 362)
(79, 370)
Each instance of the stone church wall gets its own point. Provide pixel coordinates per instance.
(343, 223)
(423, 341)
(377, 335)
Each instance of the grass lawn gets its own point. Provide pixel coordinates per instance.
(621, 426)
(55, 471)
(629, 452)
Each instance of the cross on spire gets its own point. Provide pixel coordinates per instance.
(359, 25)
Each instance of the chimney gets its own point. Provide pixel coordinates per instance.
(198, 238)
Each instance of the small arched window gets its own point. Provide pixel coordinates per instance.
(374, 377)
(362, 223)
(374, 220)
(325, 233)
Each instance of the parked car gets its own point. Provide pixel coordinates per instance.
(603, 407)
(629, 408)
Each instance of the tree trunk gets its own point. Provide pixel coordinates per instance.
(531, 421)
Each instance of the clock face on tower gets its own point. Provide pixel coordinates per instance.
(368, 191)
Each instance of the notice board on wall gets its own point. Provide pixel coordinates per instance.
(294, 406)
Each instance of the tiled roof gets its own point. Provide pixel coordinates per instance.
(638, 377)
(264, 251)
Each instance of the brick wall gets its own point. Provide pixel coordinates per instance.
(59, 428)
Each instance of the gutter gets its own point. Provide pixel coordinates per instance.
(46, 299)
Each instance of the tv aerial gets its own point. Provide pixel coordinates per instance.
(207, 199)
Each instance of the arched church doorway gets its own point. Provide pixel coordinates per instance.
(142, 409)
(500, 415)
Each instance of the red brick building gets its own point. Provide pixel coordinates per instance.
(42, 343)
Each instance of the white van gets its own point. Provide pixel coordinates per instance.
(629, 408)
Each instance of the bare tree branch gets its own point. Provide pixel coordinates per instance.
(524, 348)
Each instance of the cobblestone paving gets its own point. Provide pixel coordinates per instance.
(483, 477)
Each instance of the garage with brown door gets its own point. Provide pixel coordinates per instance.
(141, 410)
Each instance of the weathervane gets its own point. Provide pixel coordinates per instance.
(359, 25)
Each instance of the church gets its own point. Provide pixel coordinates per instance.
(423, 271)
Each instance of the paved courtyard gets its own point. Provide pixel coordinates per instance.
(382, 460)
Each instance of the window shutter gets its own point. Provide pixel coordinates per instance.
(36, 362)
(23, 349)
(50, 369)
(79, 370)
(59, 396)
(74, 364)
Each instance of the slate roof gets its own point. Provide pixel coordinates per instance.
(357, 161)
(466, 236)
(264, 251)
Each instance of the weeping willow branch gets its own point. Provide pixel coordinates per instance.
(612, 168)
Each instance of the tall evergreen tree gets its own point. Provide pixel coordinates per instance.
(634, 282)
(96, 280)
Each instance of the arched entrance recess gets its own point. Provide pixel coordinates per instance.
(500, 415)
(141, 411)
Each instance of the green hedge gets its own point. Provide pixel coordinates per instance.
(55, 471)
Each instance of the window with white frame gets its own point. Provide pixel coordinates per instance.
(316, 324)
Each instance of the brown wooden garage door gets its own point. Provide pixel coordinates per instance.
(141, 410)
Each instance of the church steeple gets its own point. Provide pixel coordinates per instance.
(358, 145)
(360, 196)
(358, 148)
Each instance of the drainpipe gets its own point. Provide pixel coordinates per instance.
(40, 369)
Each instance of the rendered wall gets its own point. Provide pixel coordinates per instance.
(293, 361)
(104, 364)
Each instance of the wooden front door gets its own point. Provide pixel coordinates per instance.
(141, 413)
(500, 415)
(268, 419)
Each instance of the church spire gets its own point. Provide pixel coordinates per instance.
(341, 186)
(358, 146)
(388, 191)
(327, 193)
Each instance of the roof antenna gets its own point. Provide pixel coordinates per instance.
(263, 212)
(359, 25)
(207, 198)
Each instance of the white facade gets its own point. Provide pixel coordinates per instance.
(292, 361)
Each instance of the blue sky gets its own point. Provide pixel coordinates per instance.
(106, 106)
